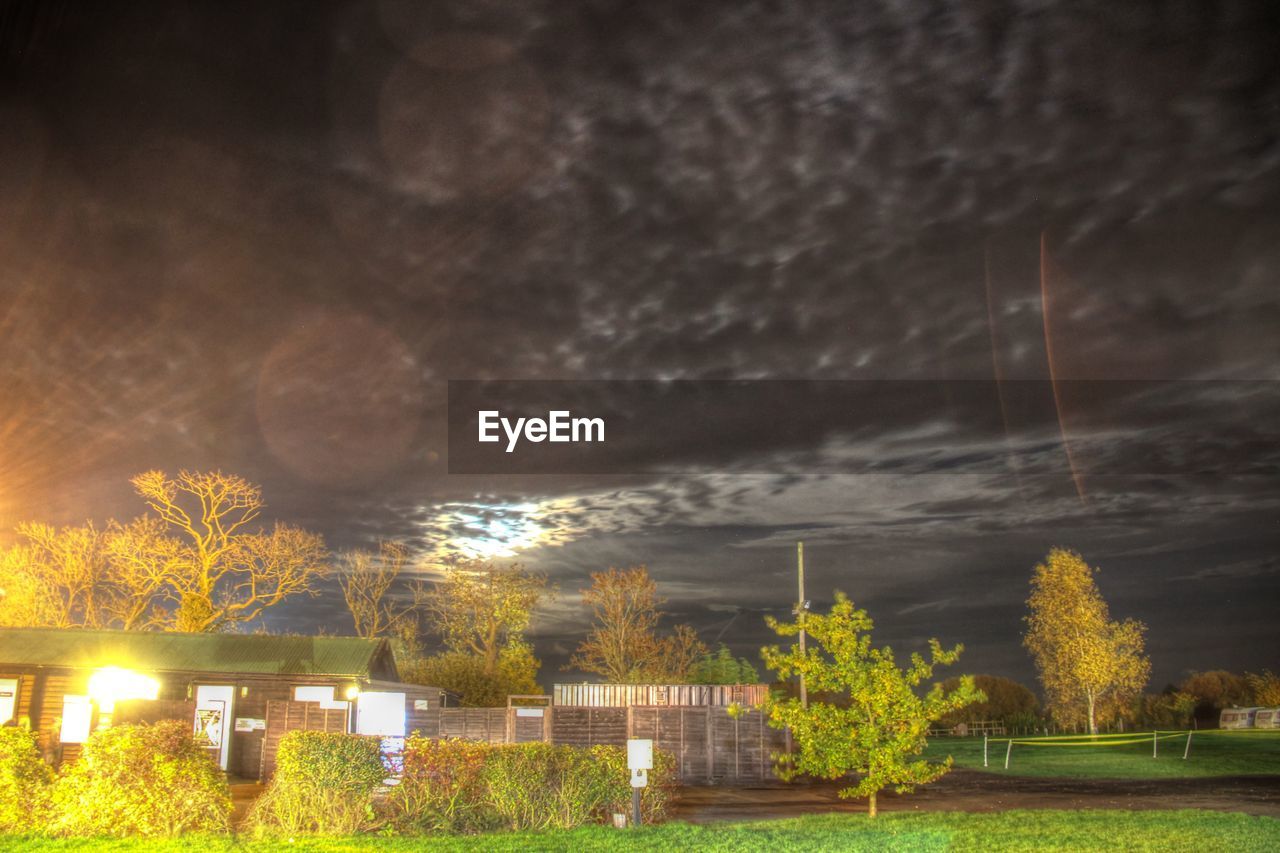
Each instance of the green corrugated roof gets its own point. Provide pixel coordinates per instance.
(248, 654)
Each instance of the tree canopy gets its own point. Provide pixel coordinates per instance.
(1088, 663)
(624, 645)
(877, 722)
(198, 563)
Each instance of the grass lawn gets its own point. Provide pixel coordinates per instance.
(1212, 754)
(1025, 830)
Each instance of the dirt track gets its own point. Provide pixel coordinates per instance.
(971, 791)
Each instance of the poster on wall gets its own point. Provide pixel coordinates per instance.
(209, 721)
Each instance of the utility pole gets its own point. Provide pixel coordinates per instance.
(801, 606)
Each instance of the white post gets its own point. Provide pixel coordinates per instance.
(1187, 748)
(1006, 754)
(804, 693)
(984, 750)
(1153, 744)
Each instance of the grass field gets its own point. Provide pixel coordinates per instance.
(1009, 831)
(1212, 754)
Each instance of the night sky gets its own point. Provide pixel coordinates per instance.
(261, 237)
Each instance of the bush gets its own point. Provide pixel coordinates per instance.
(655, 797)
(462, 786)
(142, 780)
(324, 783)
(442, 789)
(24, 781)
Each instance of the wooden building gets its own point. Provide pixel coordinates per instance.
(65, 683)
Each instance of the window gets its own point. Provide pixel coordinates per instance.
(318, 693)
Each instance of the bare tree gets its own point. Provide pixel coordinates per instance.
(54, 577)
(624, 645)
(225, 572)
(480, 608)
(368, 581)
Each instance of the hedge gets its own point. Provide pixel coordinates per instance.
(141, 780)
(462, 786)
(24, 781)
(324, 784)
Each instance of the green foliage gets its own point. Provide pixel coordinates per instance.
(1007, 702)
(454, 786)
(1265, 687)
(324, 784)
(723, 668)
(142, 780)
(24, 781)
(1171, 710)
(879, 724)
(442, 789)
(464, 674)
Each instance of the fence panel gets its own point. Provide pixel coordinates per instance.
(284, 717)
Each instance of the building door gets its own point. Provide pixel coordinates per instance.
(8, 699)
(213, 718)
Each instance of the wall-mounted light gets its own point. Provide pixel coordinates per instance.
(353, 692)
(111, 684)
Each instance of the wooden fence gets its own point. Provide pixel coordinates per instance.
(284, 717)
(710, 744)
(628, 695)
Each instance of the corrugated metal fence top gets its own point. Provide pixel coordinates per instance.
(625, 695)
(249, 654)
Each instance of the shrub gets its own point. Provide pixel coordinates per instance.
(461, 786)
(24, 781)
(654, 798)
(324, 783)
(442, 789)
(142, 780)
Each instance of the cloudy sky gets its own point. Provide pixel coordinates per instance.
(263, 237)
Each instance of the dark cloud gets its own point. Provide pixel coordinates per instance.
(260, 237)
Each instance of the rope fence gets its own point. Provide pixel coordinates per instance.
(1103, 740)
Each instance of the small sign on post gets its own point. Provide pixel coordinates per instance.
(639, 762)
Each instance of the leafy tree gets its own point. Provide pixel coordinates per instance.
(1265, 687)
(1087, 662)
(1007, 702)
(1171, 709)
(624, 645)
(1216, 689)
(482, 608)
(879, 723)
(225, 572)
(463, 674)
(723, 668)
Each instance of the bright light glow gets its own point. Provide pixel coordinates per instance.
(489, 531)
(352, 692)
(111, 684)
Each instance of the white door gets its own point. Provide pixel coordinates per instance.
(8, 698)
(380, 714)
(213, 717)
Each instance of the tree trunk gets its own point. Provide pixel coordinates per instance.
(1093, 726)
(871, 805)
